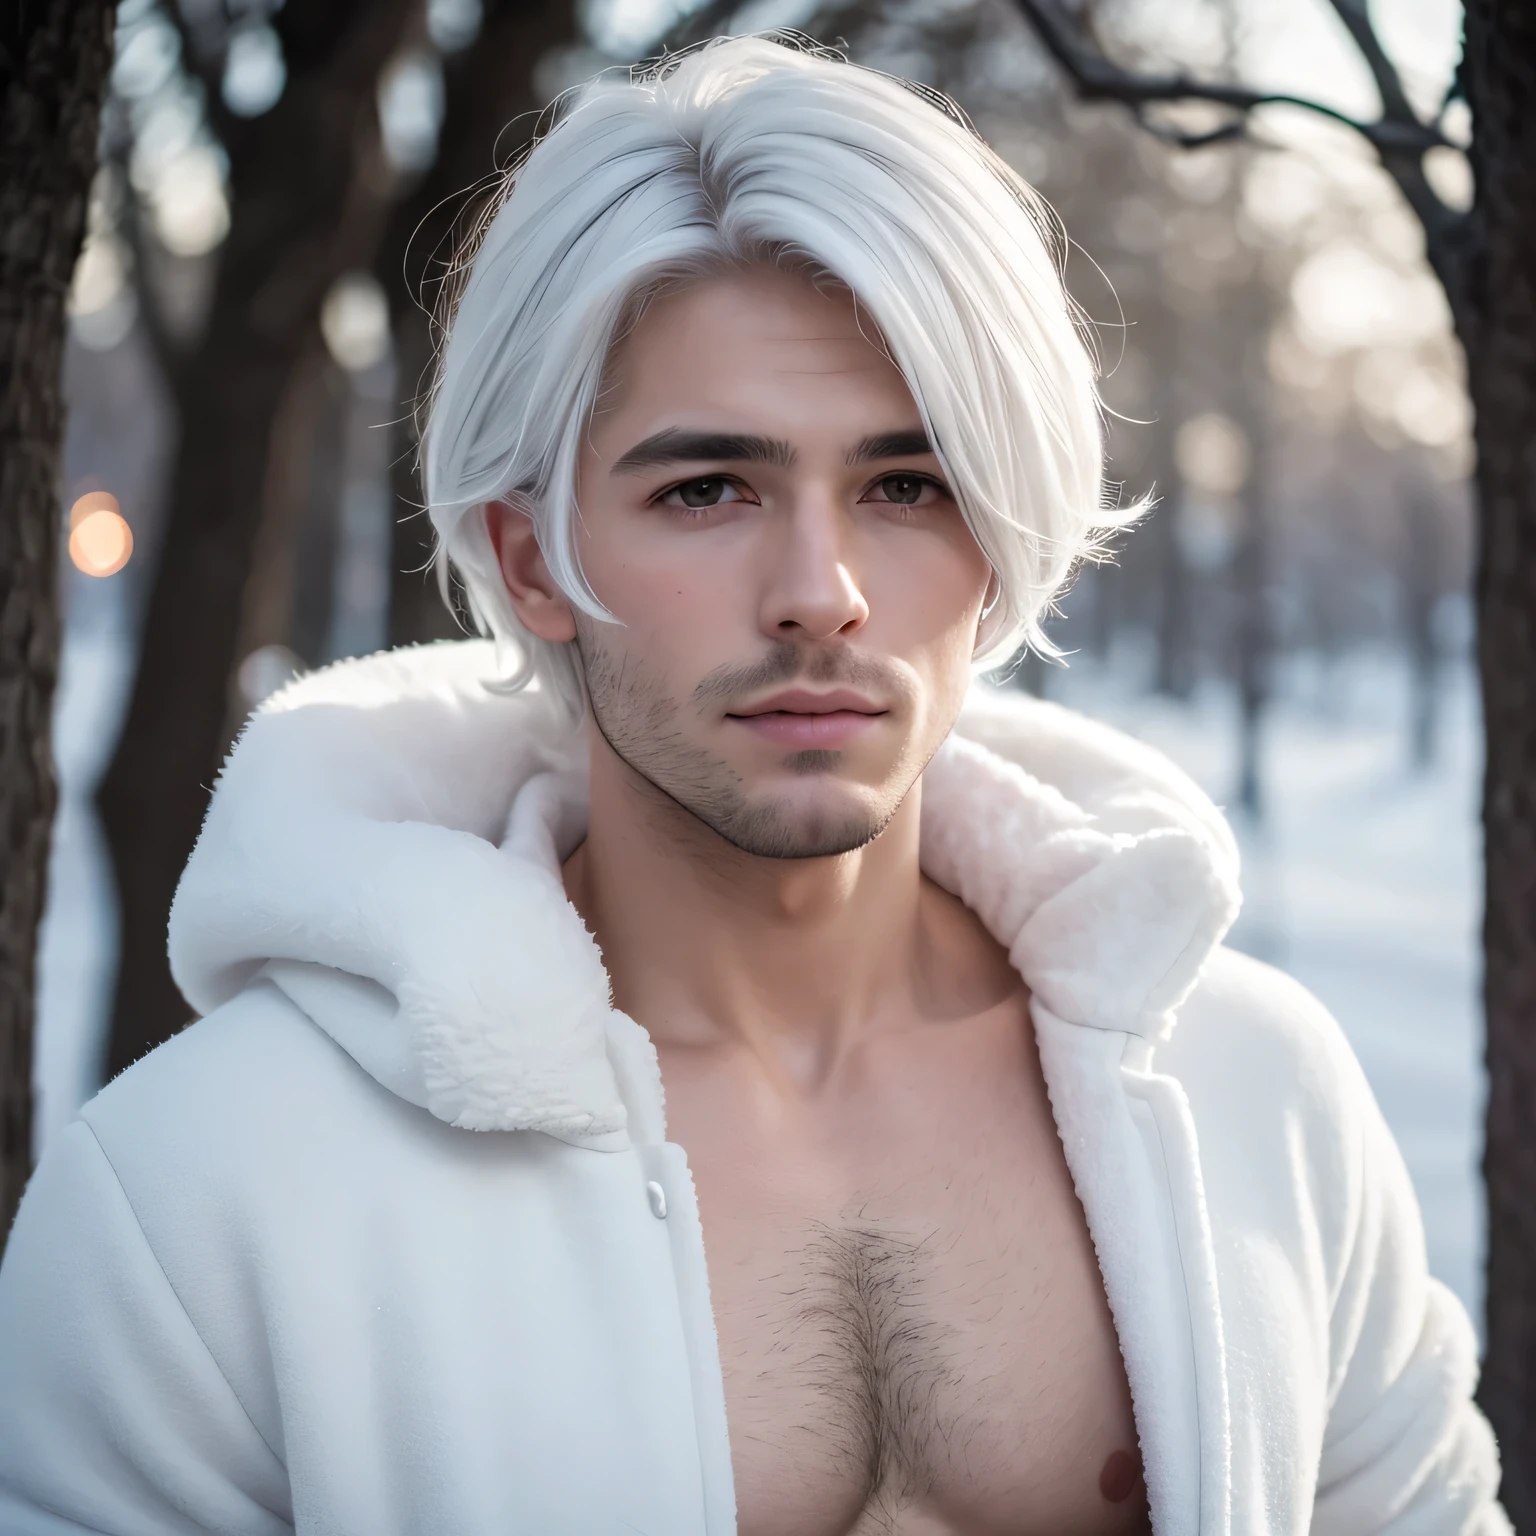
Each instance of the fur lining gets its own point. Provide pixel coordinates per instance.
(393, 819)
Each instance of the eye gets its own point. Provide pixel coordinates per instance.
(906, 488)
(699, 495)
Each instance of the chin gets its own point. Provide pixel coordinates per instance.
(794, 826)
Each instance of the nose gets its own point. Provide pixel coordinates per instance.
(810, 590)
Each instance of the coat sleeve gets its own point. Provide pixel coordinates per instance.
(1406, 1451)
(114, 1417)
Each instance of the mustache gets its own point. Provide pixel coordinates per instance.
(790, 660)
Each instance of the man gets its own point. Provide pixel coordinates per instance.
(990, 1195)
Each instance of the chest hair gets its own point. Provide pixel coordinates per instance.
(871, 1345)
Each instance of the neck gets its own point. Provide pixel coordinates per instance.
(794, 959)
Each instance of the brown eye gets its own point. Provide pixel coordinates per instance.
(708, 492)
(903, 489)
(701, 493)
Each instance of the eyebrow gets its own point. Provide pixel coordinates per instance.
(675, 445)
(911, 443)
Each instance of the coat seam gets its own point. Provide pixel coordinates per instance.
(170, 1285)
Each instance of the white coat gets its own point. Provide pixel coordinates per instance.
(392, 1240)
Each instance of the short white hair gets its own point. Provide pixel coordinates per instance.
(741, 151)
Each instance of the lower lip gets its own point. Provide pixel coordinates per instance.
(791, 730)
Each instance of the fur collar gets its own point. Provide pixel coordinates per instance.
(385, 840)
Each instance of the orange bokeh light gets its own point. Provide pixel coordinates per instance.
(100, 541)
(92, 501)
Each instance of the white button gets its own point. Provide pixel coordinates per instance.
(658, 1198)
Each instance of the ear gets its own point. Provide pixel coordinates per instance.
(986, 623)
(542, 607)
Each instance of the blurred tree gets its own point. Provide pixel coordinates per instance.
(1491, 276)
(309, 192)
(1486, 260)
(55, 56)
(288, 585)
(494, 105)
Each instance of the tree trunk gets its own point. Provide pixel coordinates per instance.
(1499, 328)
(54, 60)
(309, 191)
(493, 107)
(288, 587)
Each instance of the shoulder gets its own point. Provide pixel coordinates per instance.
(1250, 1024)
(250, 1100)
(254, 1154)
(254, 1060)
(253, 1122)
(1291, 1138)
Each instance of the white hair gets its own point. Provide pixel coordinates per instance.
(741, 151)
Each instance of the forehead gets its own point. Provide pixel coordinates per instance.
(752, 348)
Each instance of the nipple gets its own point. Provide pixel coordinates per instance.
(1122, 1471)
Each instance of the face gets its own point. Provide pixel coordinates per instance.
(798, 595)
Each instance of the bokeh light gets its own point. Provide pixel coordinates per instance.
(100, 540)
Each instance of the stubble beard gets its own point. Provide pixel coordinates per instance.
(642, 723)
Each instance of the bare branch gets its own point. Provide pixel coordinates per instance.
(1395, 106)
(1399, 137)
(1098, 78)
(1446, 231)
(1182, 138)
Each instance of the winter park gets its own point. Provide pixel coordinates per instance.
(351, 304)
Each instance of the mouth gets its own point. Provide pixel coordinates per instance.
(805, 720)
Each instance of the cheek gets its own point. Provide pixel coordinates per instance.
(931, 594)
(676, 597)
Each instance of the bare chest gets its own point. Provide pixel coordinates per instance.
(912, 1325)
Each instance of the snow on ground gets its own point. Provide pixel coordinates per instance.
(1362, 881)
(77, 948)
